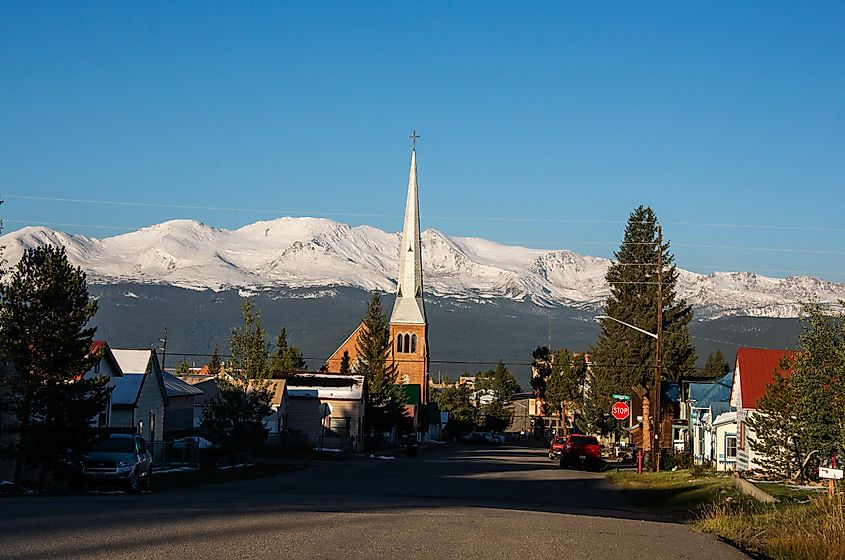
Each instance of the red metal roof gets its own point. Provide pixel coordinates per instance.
(757, 370)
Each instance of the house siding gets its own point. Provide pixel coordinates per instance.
(150, 401)
(179, 414)
(122, 418)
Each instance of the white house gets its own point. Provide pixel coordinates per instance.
(328, 409)
(106, 365)
(755, 370)
(710, 411)
(139, 397)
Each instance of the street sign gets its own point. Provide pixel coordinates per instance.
(621, 397)
(620, 410)
(835, 474)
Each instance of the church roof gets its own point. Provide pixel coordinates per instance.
(409, 308)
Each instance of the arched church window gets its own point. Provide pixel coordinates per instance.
(407, 343)
(413, 344)
(398, 343)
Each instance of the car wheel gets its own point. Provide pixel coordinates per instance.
(133, 483)
(147, 483)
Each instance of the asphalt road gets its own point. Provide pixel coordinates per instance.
(507, 502)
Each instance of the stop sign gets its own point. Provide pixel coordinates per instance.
(620, 410)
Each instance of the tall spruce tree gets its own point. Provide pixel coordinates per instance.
(624, 359)
(716, 365)
(818, 380)
(500, 380)
(215, 367)
(287, 356)
(344, 363)
(248, 346)
(385, 399)
(565, 382)
(44, 315)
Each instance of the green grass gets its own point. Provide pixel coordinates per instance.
(676, 495)
(203, 476)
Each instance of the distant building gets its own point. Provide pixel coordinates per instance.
(139, 397)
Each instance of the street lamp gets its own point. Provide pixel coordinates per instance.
(655, 422)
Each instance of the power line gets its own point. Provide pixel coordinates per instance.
(430, 217)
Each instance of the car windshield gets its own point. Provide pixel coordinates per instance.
(585, 440)
(559, 440)
(114, 445)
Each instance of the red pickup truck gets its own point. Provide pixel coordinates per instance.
(580, 450)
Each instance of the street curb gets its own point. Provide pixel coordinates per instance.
(755, 492)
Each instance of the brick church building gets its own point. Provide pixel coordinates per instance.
(408, 324)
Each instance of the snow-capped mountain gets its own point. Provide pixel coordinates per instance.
(320, 253)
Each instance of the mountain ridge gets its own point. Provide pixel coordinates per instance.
(320, 254)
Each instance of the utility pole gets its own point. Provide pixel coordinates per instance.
(163, 349)
(657, 392)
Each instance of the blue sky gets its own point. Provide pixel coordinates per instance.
(542, 125)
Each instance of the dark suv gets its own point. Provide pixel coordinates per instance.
(118, 459)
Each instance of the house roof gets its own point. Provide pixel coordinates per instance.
(698, 390)
(725, 418)
(757, 370)
(127, 388)
(275, 386)
(175, 387)
(718, 391)
(133, 361)
(138, 362)
(326, 386)
(101, 348)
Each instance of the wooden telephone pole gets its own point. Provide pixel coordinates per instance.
(658, 394)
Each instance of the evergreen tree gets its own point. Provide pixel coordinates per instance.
(495, 417)
(541, 368)
(776, 429)
(456, 401)
(716, 365)
(235, 418)
(385, 400)
(344, 363)
(500, 380)
(287, 357)
(44, 313)
(214, 365)
(624, 359)
(248, 346)
(818, 380)
(183, 367)
(565, 382)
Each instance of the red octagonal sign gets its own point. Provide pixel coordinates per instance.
(620, 410)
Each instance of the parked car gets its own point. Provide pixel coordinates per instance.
(478, 438)
(555, 447)
(120, 459)
(580, 450)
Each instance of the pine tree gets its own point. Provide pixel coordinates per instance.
(287, 356)
(214, 365)
(183, 367)
(234, 418)
(500, 380)
(624, 359)
(541, 368)
(716, 365)
(818, 379)
(248, 346)
(776, 429)
(44, 313)
(565, 382)
(495, 417)
(344, 363)
(462, 414)
(385, 399)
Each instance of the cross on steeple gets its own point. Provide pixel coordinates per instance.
(414, 137)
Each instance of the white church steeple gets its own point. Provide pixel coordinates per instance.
(409, 308)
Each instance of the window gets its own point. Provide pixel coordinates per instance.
(398, 343)
(413, 344)
(152, 426)
(97, 368)
(407, 342)
(730, 447)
